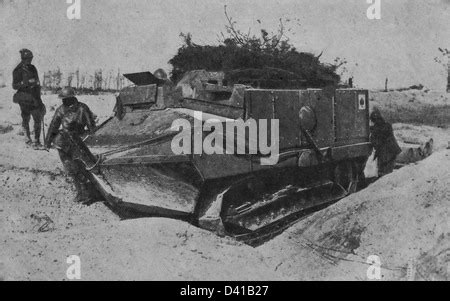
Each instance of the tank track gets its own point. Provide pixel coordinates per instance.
(296, 204)
(269, 232)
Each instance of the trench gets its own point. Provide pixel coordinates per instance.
(39, 202)
(254, 239)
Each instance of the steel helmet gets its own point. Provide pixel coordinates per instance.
(376, 115)
(160, 74)
(66, 92)
(26, 54)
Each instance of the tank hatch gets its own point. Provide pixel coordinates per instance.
(143, 79)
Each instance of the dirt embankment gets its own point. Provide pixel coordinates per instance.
(403, 219)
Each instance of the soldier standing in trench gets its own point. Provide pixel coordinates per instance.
(28, 96)
(384, 142)
(73, 117)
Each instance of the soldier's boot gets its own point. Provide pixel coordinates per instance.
(87, 197)
(37, 145)
(79, 190)
(26, 132)
(83, 195)
(37, 137)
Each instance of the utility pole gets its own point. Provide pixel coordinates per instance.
(448, 69)
(446, 53)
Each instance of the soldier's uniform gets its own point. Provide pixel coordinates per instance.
(28, 96)
(71, 121)
(384, 142)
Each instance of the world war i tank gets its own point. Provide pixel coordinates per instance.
(229, 158)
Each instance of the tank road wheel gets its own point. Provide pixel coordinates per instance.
(345, 175)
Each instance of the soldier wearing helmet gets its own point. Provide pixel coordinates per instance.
(28, 96)
(72, 120)
(384, 142)
(162, 75)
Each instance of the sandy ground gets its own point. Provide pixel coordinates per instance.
(41, 226)
(403, 218)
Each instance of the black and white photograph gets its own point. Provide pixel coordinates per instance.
(224, 141)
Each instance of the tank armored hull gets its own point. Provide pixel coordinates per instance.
(323, 146)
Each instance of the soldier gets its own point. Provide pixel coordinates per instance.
(161, 74)
(74, 118)
(28, 96)
(384, 142)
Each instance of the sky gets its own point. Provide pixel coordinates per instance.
(139, 35)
